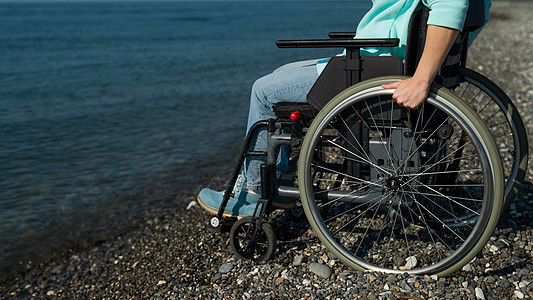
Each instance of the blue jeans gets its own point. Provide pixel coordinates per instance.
(288, 83)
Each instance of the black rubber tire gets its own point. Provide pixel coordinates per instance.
(486, 98)
(467, 238)
(262, 248)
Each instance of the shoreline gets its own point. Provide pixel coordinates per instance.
(176, 256)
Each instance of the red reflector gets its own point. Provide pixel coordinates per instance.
(296, 115)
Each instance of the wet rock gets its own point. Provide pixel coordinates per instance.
(58, 269)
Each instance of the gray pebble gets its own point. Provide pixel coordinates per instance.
(480, 294)
(216, 277)
(519, 294)
(411, 261)
(490, 279)
(58, 269)
(320, 270)
(391, 279)
(403, 284)
(503, 283)
(298, 259)
(225, 268)
(398, 260)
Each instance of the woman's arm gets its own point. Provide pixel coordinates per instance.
(410, 93)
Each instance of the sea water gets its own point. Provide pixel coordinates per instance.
(111, 110)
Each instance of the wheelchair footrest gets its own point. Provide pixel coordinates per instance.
(222, 226)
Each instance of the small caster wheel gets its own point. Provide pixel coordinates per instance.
(246, 247)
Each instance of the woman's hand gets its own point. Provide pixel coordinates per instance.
(410, 93)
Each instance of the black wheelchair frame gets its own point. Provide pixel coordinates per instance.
(342, 74)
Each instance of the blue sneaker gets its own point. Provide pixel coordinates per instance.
(241, 204)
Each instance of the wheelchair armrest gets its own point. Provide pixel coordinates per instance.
(352, 62)
(338, 43)
(341, 35)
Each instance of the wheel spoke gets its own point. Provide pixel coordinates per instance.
(382, 183)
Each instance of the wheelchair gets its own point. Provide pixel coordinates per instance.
(386, 188)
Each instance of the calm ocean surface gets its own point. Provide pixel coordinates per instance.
(110, 110)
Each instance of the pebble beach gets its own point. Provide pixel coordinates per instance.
(175, 256)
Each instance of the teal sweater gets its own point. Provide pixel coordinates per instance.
(390, 19)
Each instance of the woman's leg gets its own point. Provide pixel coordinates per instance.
(289, 83)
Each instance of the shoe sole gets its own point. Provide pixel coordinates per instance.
(276, 205)
(215, 211)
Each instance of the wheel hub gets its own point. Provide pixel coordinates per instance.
(394, 183)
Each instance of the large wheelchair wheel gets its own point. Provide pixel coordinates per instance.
(396, 190)
(503, 120)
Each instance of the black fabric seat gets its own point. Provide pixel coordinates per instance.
(284, 110)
